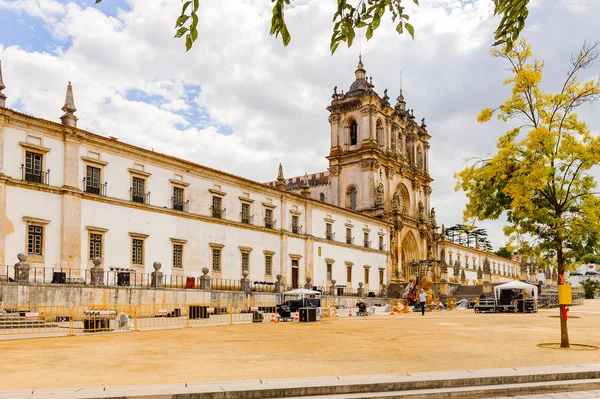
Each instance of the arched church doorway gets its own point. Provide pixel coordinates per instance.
(410, 252)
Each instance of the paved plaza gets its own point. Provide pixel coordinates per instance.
(449, 340)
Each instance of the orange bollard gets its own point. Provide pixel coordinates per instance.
(349, 315)
(296, 317)
(273, 320)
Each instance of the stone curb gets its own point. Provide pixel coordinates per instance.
(490, 381)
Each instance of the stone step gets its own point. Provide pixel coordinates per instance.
(440, 385)
(485, 391)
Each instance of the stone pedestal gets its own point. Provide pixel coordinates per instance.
(245, 282)
(308, 284)
(279, 286)
(444, 288)
(22, 269)
(332, 289)
(396, 289)
(157, 276)
(205, 280)
(97, 272)
(360, 291)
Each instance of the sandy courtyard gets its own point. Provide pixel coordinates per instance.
(344, 346)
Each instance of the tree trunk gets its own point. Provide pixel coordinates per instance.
(564, 330)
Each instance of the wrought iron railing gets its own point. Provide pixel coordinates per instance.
(35, 175)
(141, 198)
(218, 212)
(94, 188)
(179, 205)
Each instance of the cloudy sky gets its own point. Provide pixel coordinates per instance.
(241, 102)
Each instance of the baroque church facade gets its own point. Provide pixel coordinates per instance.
(68, 196)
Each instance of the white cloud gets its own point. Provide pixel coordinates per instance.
(272, 97)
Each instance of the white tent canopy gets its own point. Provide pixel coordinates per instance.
(516, 285)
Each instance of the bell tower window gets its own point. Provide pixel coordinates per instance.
(351, 199)
(353, 133)
(379, 130)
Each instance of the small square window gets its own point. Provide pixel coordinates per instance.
(137, 256)
(177, 255)
(216, 259)
(95, 245)
(35, 237)
(268, 265)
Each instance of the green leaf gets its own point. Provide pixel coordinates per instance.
(416, 2)
(181, 20)
(98, 1)
(188, 42)
(361, 25)
(181, 32)
(410, 29)
(194, 34)
(399, 28)
(185, 6)
(334, 47)
(285, 36)
(369, 33)
(376, 22)
(196, 5)
(194, 21)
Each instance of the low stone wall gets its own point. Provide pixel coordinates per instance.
(12, 294)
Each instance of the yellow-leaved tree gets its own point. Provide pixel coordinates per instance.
(540, 176)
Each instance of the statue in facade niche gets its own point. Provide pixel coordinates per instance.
(432, 219)
(379, 198)
(395, 201)
(421, 211)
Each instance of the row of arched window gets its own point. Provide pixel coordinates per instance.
(352, 131)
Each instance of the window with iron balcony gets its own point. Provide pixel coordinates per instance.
(245, 213)
(269, 222)
(137, 191)
(366, 239)
(295, 227)
(91, 181)
(328, 231)
(177, 202)
(349, 236)
(216, 210)
(32, 171)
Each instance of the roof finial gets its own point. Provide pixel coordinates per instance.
(281, 185)
(2, 87)
(69, 108)
(305, 186)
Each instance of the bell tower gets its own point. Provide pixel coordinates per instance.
(378, 164)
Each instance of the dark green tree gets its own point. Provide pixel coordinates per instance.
(590, 288)
(504, 252)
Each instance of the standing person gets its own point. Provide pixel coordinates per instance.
(422, 299)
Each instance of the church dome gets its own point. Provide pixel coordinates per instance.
(360, 84)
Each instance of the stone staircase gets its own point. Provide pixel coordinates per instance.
(468, 292)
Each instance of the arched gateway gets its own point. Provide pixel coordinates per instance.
(410, 251)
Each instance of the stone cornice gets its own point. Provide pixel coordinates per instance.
(34, 147)
(34, 220)
(94, 160)
(139, 172)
